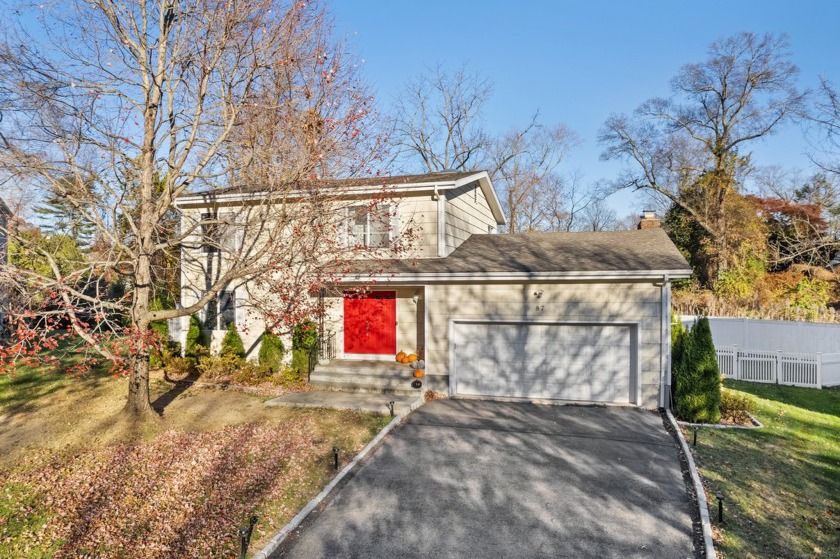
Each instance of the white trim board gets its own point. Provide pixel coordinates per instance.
(597, 276)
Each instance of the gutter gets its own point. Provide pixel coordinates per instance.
(210, 197)
(652, 275)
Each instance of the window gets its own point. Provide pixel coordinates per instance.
(368, 227)
(209, 234)
(221, 311)
(222, 236)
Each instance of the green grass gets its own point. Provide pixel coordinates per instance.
(781, 483)
(21, 390)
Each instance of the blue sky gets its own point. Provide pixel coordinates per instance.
(577, 62)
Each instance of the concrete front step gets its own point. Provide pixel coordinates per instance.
(348, 375)
(364, 367)
(371, 386)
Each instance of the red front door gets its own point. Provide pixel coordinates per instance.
(370, 322)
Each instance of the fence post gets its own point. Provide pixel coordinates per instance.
(819, 370)
(736, 362)
(778, 365)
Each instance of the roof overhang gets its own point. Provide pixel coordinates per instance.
(349, 191)
(462, 277)
(4, 209)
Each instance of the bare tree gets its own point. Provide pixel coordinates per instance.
(438, 120)
(598, 216)
(151, 101)
(438, 124)
(567, 201)
(691, 148)
(523, 162)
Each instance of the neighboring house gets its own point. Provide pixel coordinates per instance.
(5, 214)
(555, 316)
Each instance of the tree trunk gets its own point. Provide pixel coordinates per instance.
(139, 402)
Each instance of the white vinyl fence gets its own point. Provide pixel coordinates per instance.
(813, 370)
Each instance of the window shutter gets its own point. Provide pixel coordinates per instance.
(240, 312)
(342, 228)
(395, 222)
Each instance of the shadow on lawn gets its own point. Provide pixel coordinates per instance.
(24, 391)
(825, 400)
(178, 387)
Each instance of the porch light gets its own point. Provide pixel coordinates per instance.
(416, 297)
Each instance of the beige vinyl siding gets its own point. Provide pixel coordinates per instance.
(560, 302)
(467, 213)
(418, 218)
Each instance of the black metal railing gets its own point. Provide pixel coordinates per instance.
(327, 346)
(324, 348)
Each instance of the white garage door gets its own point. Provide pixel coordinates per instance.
(543, 361)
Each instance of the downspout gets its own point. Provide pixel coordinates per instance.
(665, 350)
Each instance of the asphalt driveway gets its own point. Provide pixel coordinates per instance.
(477, 479)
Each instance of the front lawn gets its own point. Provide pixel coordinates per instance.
(79, 479)
(781, 483)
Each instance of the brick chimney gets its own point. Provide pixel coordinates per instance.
(649, 220)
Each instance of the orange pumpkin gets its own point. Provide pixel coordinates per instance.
(404, 359)
(419, 373)
(400, 356)
(412, 358)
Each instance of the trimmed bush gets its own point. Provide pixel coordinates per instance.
(288, 377)
(271, 352)
(219, 367)
(696, 375)
(232, 345)
(195, 338)
(304, 338)
(178, 367)
(251, 374)
(305, 335)
(736, 406)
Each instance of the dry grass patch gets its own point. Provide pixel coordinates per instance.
(80, 479)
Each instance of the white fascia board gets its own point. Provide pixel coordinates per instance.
(490, 195)
(210, 198)
(652, 275)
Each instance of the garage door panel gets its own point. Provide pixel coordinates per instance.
(545, 361)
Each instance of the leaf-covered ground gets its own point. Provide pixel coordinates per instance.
(78, 480)
(781, 484)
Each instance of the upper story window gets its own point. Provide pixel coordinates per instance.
(221, 234)
(368, 227)
(221, 311)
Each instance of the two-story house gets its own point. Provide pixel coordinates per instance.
(554, 316)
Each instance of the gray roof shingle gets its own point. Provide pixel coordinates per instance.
(535, 253)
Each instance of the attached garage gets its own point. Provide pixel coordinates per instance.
(555, 361)
(553, 316)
